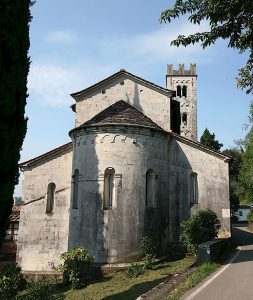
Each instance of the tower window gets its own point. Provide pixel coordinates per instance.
(150, 188)
(184, 119)
(75, 189)
(109, 188)
(50, 197)
(194, 188)
(179, 91)
(184, 91)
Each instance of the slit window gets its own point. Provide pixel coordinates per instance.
(109, 188)
(75, 189)
(150, 188)
(184, 119)
(50, 197)
(194, 188)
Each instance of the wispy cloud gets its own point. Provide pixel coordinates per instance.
(61, 37)
(52, 84)
(155, 45)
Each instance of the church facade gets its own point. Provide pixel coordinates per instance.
(133, 168)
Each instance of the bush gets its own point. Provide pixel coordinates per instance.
(11, 281)
(201, 227)
(135, 270)
(39, 290)
(75, 267)
(250, 215)
(148, 249)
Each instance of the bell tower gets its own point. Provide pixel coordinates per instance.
(184, 84)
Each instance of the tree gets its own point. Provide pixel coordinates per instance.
(228, 19)
(234, 170)
(246, 172)
(14, 66)
(209, 140)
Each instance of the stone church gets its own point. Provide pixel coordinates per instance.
(133, 168)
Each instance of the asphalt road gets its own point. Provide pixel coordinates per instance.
(236, 281)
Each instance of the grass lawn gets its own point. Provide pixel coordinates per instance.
(119, 286)
(199, 275)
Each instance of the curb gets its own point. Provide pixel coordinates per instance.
(164, 288)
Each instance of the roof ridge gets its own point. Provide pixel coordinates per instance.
(121, 71)
(46, 154)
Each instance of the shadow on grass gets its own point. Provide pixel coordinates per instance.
(135, 291)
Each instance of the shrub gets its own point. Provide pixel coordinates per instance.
(250, 215)
(75, 267)
(135, 270)
(201, 227)
(39, 290)
(148, 249)
(11, 281)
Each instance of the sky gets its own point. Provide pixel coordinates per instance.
(74, 44)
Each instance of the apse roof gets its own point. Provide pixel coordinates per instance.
(122, 113)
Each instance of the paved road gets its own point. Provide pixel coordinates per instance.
(236, 281)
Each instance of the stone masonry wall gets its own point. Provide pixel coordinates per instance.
(152, 103)
(113, 235)
(213, 185)
(43, 237)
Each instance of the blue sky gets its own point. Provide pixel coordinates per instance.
(77, 43)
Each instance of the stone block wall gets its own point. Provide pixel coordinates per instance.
(113, 235)
(151, 102)
(44, 236)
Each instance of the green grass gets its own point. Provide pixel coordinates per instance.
(200, 274)
(119, 286)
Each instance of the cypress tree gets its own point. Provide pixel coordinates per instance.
(209, 140)
(14, 67)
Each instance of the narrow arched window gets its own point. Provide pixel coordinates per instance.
(50, 197)
(109, 188)
(75, 189)
(184, 119)
(150, 188)
(184, 91)
(179, 91)
(194, 193)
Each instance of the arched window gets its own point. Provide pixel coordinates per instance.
(194, 188)
(75, 189)
(184, 91)
(50, 197)
(109, 188)
(150, 188)
(179, 91)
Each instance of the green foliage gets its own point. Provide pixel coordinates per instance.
(135, 270)
(75, 267)
(209, 140)
(11, 281)
(234, 170)
(250, 216)
(228, 19)
(39, 290)
(201, 227)
(148, 249)
(14, 66)
(246, 171)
